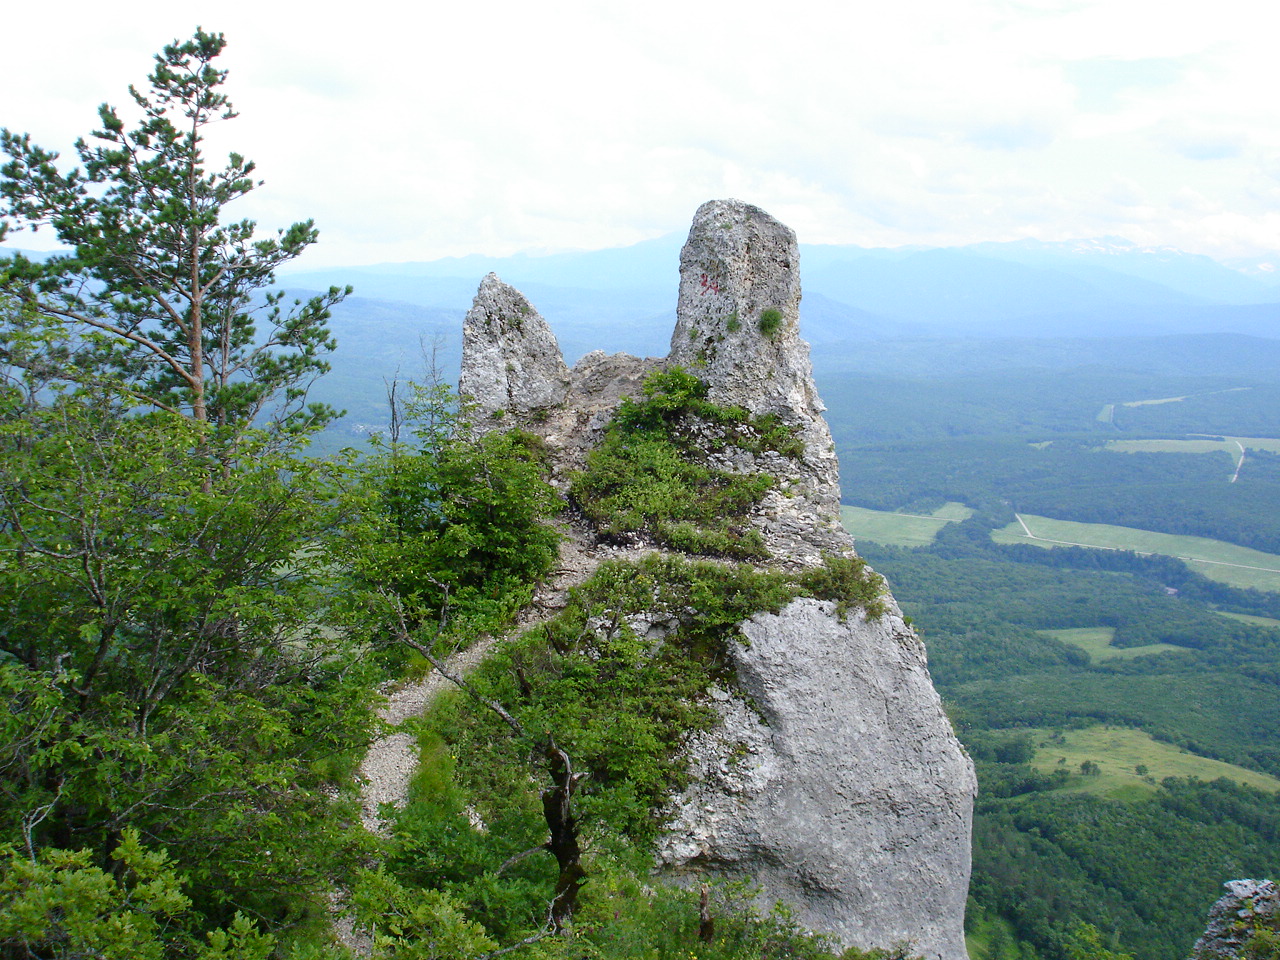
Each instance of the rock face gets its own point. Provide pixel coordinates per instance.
(1247, 907)
(840, 789)
(833, 781)
(511, 362)
(738, 328)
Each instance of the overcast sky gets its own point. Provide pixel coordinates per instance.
(414, 131)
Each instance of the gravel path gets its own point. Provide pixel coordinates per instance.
(389, 765)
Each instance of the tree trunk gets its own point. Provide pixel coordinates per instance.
(557, 807)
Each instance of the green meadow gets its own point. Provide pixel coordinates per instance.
(1247, 618)
(1216, 559)
(1118, 752)
(1096, 641)
(900, 529)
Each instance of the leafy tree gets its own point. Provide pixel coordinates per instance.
(60, 905)
(455, 526)
(168, 640)
(157, 295)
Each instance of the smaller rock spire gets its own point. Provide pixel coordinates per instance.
(511, 362)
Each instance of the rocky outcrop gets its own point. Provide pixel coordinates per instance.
(738, 328)
(1247, 907)
(511, 362)
(833, 780)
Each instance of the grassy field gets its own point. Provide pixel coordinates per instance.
(900, 529)
(994, 938)
(1225, 562)
(1246, 618)
(1204, 444)
(1232, 446)
(1119, 751)
(1096, 642)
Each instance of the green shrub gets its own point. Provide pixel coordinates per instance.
(770, 322)
(459, 522)
(849, 582)
(649, 476)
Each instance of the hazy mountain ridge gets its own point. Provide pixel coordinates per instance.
(987, 307)
(1098, 287)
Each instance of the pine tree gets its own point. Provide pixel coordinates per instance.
(156, 294)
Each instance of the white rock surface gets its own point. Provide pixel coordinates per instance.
(835, 783)
(511, 361)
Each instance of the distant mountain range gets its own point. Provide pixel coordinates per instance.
(855, 298)
(624, 298)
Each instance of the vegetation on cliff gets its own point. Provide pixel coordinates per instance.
(198, 615)
(650, 475)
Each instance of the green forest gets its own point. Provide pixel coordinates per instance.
(1044, 653)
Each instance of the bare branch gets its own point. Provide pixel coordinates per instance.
(401, 628)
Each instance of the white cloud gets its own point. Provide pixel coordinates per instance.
(409, 133)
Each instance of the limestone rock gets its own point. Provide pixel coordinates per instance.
(833, 781)
(1247, 906)
(738, 328)
(841, 789)
(511, 362)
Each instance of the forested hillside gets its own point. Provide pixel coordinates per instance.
(1121, 708)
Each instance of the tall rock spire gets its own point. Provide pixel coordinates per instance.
(833, 780)
(738, 328)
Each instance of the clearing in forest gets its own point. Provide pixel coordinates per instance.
(1119, 752)
(1096, 641)
(1225, 562)
(1247, 618)
(900, 529)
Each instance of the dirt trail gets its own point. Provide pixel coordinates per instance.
(390, 763)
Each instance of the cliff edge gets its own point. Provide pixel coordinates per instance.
(1249, 909)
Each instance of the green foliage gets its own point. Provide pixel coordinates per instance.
(436, 845)
(456, 526)
(1263, 944)
(163, 630)
(630, 917)
(410, 924)
(159, 297)
(648, 477)
(619, 703)
(60, 905)
(1085, 943)
(1145, 872)
(770, 322)
(849, 582)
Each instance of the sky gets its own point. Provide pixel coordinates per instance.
(495, 126)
